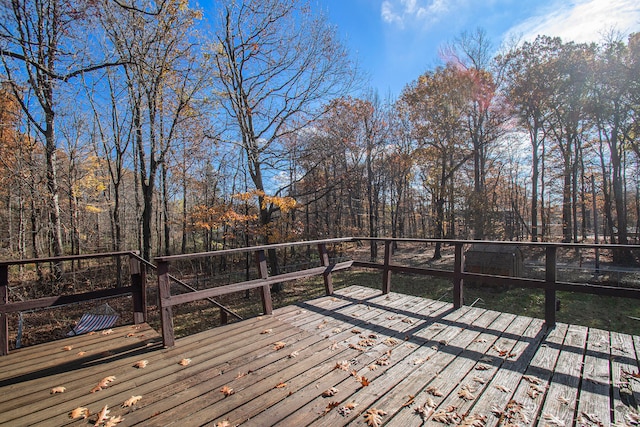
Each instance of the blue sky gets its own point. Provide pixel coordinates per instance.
(397, 40)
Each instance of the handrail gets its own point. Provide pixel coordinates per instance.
(137, 289)
(191, 288)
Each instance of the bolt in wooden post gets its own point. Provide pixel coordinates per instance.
(458, 268)
(550, 290)
(164, 294)
(324, 261)
(4, 299)
(139, 283)
(265, 290)
(386, 270)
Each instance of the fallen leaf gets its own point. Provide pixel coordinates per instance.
(102, 416)
(184, 362)
(479, 380)
(383, 361)
(419, 361)
(372, 367)
(240, 375)
(279, 345)
(391, 342)
(330, 406)
(336, 330)
(373, 417)
(367, 342)
(482, 367)
(131, 401)
(281, 385)
(104, 383)
(553, 420)
(364, 381)
(322, 324)
(67, 348)
(447, 416)
(334, 346)
(330, 392)
(592, 418)
(480, 340)
(293, 355)
(346, 409)
(227, 391)
(474, 420)
(563, 400)
(223, 423)
(130, 334)
(434, 391)
(531, 379)
(81, 353)
(113, 421)
(343, 365)
(266, 331)
(503, 389)
(107, 332)
(356, 331)
(407, 320)
(58, 389)
(95, 389)
(410, 401)
(465, 394)
(79, 412)
(140, 364)
(356, 347)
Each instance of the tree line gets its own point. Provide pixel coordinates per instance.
(152, 125)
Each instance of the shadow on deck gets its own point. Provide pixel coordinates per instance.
(410, 357)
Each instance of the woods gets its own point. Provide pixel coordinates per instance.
(159, 126)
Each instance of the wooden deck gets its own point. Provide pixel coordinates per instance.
(399, 353)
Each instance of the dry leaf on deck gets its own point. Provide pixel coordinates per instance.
(336, 330)
(58, 389)
(553, 420)
(81, 353)
(346, 409)
(479, 380)
(67, 348)
(383, 361)
(465, 394)
(356, 347)
(266, 331)
(79, 412)
(95, 389)
(113, 421)
(563, 400)
(447, 416)
(592, 418)
(434, 391)
(482, 367)
(474, 421)
(106, 380)
(330, 406)
(372, 367)
(240, 375)
(411, 399)
(184, 362)
(223, 423)
(407, 320)
(131, 401)
(130, 334)
(281, 385)
(140, 364)
(480, 340)
(364, 381)
(330, 392)
(107, 332)
(531, 379)
(334, 346)
(322, 324)
(226, 390)
(373, 417)
(356, 331)
(293, 355)
(102, 415)
(503, 389)
(343, 365)
(391, 342)
(279, 345)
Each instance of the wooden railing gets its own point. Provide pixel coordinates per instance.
(136, 288)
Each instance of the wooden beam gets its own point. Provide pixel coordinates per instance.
(265, 289)
(324, 261)
(458, 268)
(550, 300)
(386, 271)
(139, 284)
(166, 312)
(4, 321)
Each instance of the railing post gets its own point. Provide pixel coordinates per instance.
(139, 283)
(550, 290)
(386, 271)
(458, 268)
(164, 294)
(4, 321)
(265, 290)
(324, 261)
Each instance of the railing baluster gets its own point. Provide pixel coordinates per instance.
(265, 290)
(324, 261)
(386, 271)
(458, 268)
(550, 290)
(166, 312)
(4, 321)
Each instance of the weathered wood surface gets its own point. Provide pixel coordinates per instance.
(496, 367)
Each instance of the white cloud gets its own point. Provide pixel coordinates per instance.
(581, 20)
(401, 12)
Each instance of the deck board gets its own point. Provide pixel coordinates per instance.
(404, 346)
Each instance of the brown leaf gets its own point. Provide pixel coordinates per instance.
(531, 379)
(223, 423)
(130, 334)
(227, 391)
(330, 406)
(67, 348)
(482, 367)
(330, 392)
(293, 355)
(240, 375)
(79, 412)
(131, 401)
(343, 365)
(281, 385)
(372, 367)
(356, 347)
(102, 416)
(111, 422)
(140, 364)
(279, 345)
(266, 331)
(96, 389)
(184, 362)
(563, 400)
(356, 331)
(410, 401)
(479, 380)
(81, 353)
(434, 391)
(391, 342)
(107, 332)
(364, 381)
(58, 389)
(553, 420)
(346, 409)
(465, 394)
(104, 383)
(373, 417)
(503, 388)
(474, 421)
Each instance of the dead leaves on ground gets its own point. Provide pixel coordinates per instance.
(79, 412)
(227, 391)
(330, 392)
(184, 362)
(279, 345)
(343, 365)
(131, 401)
(141, 364)
(553, 420)
(466, 393)
(373, 417)
(59, 389)
(447, 415)
(434, 391)
(104, 383)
